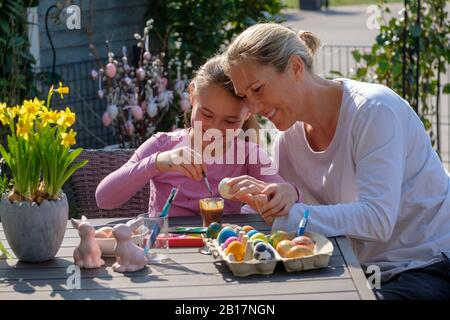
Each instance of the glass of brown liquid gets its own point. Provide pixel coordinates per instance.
(211, 210)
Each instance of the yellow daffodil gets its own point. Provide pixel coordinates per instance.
(13, 112)
(24, 128)
(66, 118)
(4, 119)
(48, 116)
(68, 139)
(42, 136)
(61, 90)
(3, 113)
(30, 108)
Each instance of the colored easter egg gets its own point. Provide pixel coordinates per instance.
(140, 73)
(276, 237)
(213, 230)
(106, 119)
(304, 241)
(284, 246)
(252, 232)
(258, 235)
(147, 55)
(263, 252)
(225, 233)
(230, 240)
(94, 74)
(104, 232)
(247, 228)
(111, 70)
(224, 189)
(129, 127)
(100, 234)
(112, 110)
(137, 113)
(237, 249)
(299, 251)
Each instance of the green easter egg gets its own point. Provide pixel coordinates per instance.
(213, 230)
(276, 237)
(258, 235)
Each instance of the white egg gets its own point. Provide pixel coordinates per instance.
(224, 189)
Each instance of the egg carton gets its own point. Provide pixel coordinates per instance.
(246, 267)
(320, 259)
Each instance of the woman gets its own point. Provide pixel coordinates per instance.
(359, 151)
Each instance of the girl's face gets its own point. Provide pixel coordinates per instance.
(217, 108)
(268, 92)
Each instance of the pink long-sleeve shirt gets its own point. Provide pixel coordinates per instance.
(242, 158)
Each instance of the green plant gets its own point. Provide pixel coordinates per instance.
(394, 65)
(4, 252)
(15, 59)
(191, 31)
(4, 184)
(39, 154)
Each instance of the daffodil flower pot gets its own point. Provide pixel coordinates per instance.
(35, 232)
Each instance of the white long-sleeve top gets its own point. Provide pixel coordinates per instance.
(379, 182)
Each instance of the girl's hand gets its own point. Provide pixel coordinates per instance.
(282, 197)
(183, 160)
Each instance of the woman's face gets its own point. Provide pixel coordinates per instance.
(268, 92)
(217, 108)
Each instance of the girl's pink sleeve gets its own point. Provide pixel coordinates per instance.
(119, 186)
(264, 168)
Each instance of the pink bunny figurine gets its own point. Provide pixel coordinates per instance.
(88, 254)
(129, 257)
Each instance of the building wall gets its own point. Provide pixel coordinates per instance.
(112, 20)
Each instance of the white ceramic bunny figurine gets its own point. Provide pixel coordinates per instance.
(88, 254)
(129, 257)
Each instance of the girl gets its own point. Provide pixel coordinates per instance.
(180, 158)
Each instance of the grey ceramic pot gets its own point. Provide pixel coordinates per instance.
(35, 232)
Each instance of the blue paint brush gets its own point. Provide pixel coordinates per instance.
(164, 213)
(303, 223)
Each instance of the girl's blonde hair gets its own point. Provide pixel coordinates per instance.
(272, 44)
(212, 72)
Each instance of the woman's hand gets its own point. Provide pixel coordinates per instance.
(183, 160)
(282, 197)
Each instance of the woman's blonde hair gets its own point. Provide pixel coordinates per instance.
(212, 72)
(272, 44)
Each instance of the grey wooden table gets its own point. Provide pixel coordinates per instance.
(189, 275)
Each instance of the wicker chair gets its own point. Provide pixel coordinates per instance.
(84, 182)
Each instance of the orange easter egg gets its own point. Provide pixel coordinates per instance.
(284, 246)
(299, 251)
(247, 228)
(104, 232)
(304, 241)
(237, 249)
